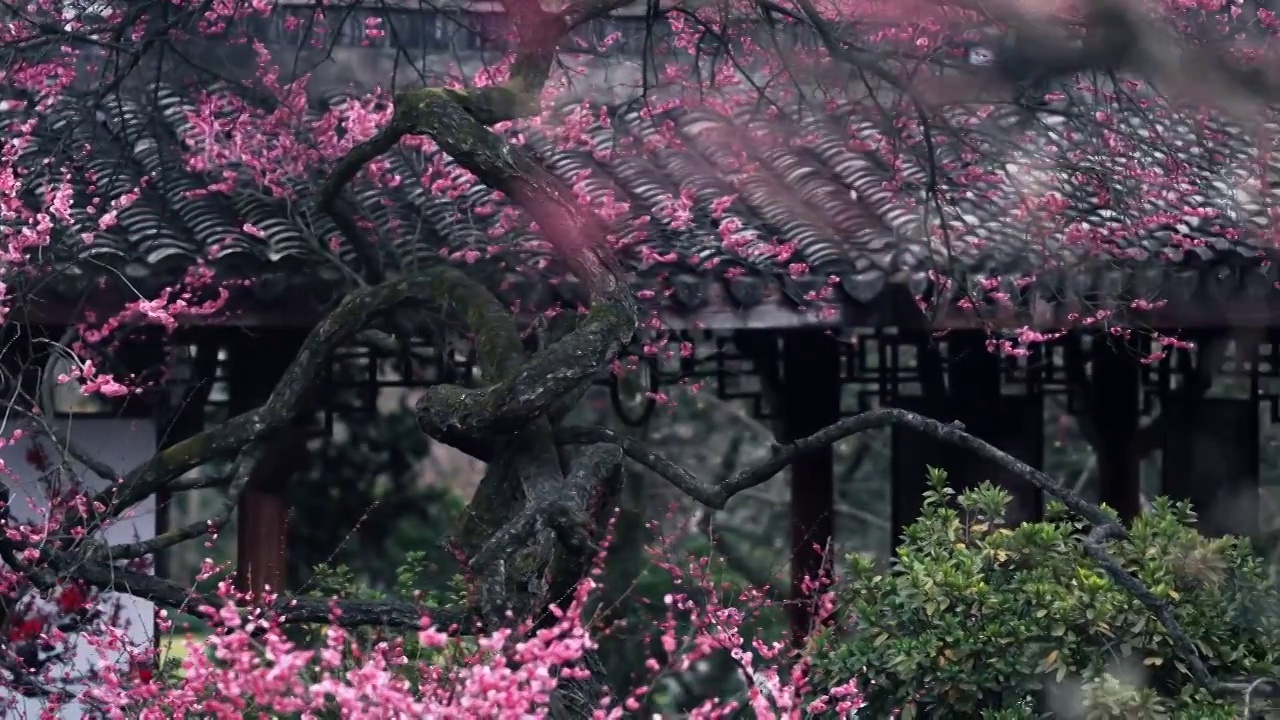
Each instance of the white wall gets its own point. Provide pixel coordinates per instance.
(123, 444)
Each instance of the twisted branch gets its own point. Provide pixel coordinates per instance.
(441, 290)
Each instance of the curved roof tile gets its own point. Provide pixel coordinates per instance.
(845, 201)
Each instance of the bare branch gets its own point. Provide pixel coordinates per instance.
(329, 199)
(65, 445)
(198, 528)
(345, 613)
(738, 561)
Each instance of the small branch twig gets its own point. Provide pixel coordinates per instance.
(240, 481)
(112, 577)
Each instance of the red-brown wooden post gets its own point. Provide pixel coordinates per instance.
(256, 363)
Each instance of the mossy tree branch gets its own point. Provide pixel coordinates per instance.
(521, 392)
(444, 291)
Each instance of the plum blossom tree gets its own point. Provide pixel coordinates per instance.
(539, 520)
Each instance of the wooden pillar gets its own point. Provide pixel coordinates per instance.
(809, 397)
(263, 531)
(912, 454)
(1211, 458)
(1013, 423)
(969, 391)
(1115, 385)
(973, 399)
(256, 363)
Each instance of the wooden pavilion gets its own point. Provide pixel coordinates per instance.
(825, 270)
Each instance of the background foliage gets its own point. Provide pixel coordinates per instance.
(975, 617)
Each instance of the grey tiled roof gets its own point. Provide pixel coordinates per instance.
(822, 207)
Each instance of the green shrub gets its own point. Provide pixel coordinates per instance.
(977, 619)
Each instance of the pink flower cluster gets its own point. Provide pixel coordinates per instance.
(249, 665)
